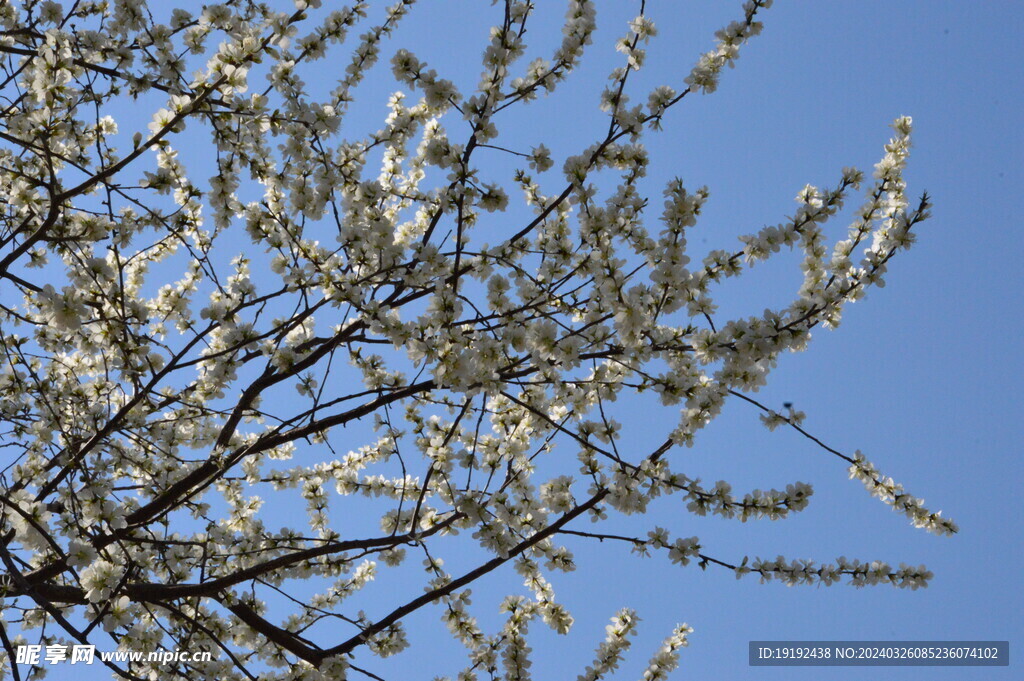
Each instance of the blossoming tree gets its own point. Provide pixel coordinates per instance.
(176, 351)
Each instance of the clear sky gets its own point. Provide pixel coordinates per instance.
(922, 376)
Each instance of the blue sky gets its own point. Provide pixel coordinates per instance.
(922, 376)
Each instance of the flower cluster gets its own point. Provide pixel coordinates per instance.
(616, 643)
(892, 493)
(665, 661)
(792, 572)
(705, 74)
